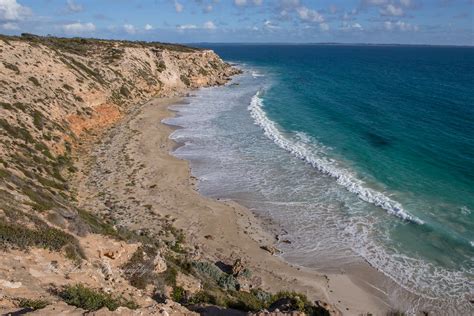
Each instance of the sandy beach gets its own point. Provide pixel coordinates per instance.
(134, 166)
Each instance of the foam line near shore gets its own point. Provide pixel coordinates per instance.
(303, 150)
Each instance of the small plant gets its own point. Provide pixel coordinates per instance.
(44, 237)
(34, 81)
(178, 294)
(33, 304)
(6, 106)
(68, 87)
(38, 119)
(89, 299)
(125, 92)
(160, 66)
(185, 80)
(139, 269)
(11, 67)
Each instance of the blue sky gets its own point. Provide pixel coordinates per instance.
(348, 21)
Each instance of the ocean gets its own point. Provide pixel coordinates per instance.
(358, 153)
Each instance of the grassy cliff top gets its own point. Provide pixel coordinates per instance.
(83, 46)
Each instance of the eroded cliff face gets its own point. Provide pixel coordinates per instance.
(53, 93)
(79, 84)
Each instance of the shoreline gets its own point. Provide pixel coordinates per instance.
(219, 230)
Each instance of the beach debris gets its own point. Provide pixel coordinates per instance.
(272, 250)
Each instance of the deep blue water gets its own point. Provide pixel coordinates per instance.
(370, 147)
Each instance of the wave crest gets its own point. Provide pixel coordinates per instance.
(302, 150)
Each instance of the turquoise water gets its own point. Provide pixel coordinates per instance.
(357, 151)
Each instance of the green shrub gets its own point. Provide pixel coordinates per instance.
(185, 80)
(300, 302)
(34, 81)
(97, 225)
(224, 280)
(33, 304)
(160, 66)
(11, 67)
(68, 87)
(246, 302)
(16, 131)
(139, 269)
(125, 92)
(170, 276)
(80, 296)
(38, 119)
(203, 297)
(22, 237)
(91, 72)
(6, 106)
(207, 269)
(42, 201)
(228, 282)
(178, 294)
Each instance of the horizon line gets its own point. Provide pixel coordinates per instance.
(327, 43)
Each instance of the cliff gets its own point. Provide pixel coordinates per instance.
(57, 97)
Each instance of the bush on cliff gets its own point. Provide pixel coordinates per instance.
(89, 299)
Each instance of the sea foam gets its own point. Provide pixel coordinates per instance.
(305, 150)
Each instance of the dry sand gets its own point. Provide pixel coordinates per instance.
(133, 165)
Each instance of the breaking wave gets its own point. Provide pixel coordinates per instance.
(304, 148)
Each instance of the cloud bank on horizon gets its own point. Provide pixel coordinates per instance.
(345, 21)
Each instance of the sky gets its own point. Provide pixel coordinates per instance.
(437, 22)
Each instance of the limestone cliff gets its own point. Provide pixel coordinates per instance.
(66, 249)
(53, 93)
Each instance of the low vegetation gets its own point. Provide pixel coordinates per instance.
(33, 304)
(91, 300)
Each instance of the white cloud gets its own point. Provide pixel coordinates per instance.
(400, 26)
(345, 26)
(9, 26)
(75, 28)
(130, 29)
(324, 27)
(148, 27)
(391, 10)
(178, 6)
(208, 8)
(73, 6)
(309, 15)
(269, 25)
(241, 3)
(186, 27)
(10, 10)
(209, 25)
